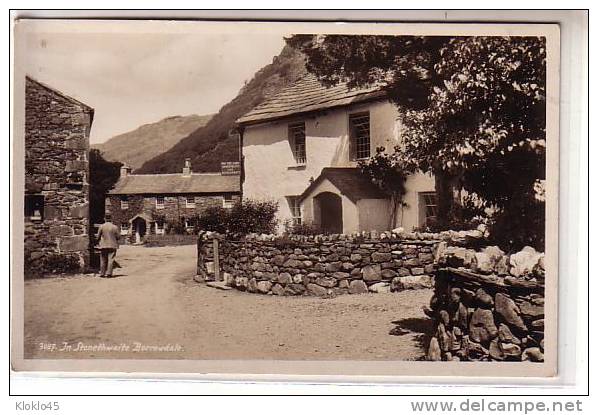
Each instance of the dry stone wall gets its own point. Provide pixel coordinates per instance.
(328, 265)
(488, 306)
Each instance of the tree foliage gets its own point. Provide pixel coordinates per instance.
(103, 175)
(473, 111)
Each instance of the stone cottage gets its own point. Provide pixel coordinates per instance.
(313, 138)
(56, 178)
(144, 204)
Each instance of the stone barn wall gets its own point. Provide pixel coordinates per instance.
(327, 265)
(488, 306)
(57, 172)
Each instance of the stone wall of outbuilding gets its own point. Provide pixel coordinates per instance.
(57, 171)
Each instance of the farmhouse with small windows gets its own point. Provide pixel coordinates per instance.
(155, 204)
(302, 147)
(56, 202)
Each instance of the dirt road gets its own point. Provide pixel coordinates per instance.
(153, 309)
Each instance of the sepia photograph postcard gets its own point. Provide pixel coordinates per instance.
(285, 198)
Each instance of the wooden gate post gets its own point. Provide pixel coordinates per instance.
(216, 260)
(199, 257)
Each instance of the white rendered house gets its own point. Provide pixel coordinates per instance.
(301, 148)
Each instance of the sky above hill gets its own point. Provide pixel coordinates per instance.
(132, 79)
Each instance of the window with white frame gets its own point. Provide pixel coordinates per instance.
(228, 201)
(428, 207)
(159, 228)
(190, 202)
(297, 141)
(295, 208)
(159, 202)
(359, 130)
(124, 202)
(189, 223)
(125, 228)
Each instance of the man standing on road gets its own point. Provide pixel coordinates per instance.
(108, 236)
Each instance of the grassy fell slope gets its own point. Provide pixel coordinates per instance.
(146, 142)
(210, 145)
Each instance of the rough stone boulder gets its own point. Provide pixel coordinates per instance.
(388, 274)
(285, 278)
(504, 351)
(434, 352)
(482, 328)
(523, 262)
(229, 279)
(294, 289)
(252, 285)
(241, 283)
(506, 336)
(334, 266)
(278, 289)
(341, 275)
(357, 287)
(507, 309)
(483, 299)
(371, 273)
(355, 257)
(317, 290)
(293, 263)
(485, 262)
(412, 282)
(278, 260)
(379, 287)
(326, 281)
(531, 311)
(381, 257)
(533, 354)
(460, 317)
(457, 257)
(264, 287)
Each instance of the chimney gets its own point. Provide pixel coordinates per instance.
(187, 167)
(124, 170)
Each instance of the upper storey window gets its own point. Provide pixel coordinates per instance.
(359, 130)
(297, 141)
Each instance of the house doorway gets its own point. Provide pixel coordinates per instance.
(139, 228)
(330, 208)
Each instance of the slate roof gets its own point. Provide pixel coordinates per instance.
(176, 184)
(351, 183)
(308, 95)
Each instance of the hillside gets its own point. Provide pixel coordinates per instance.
(210, 145)
(146, 142)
